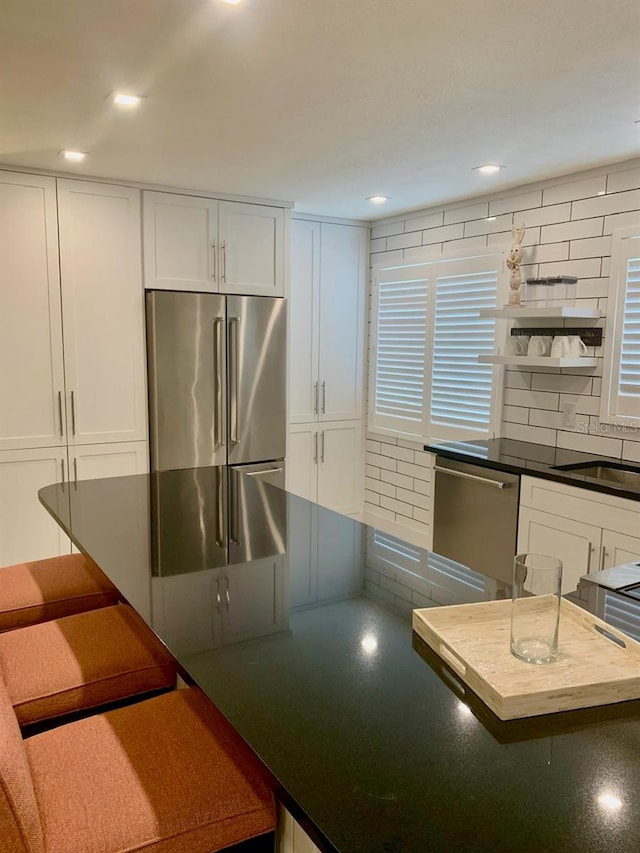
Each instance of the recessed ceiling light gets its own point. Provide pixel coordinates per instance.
(122, 99)
(488, 168)
(232, 2)
(490, 219)
(377, 199)
(74, 156)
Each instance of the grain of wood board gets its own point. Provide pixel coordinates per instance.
(591, 669)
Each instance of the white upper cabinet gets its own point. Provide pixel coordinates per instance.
(327, 304)
(251, 256)
(103, 312)
(204, 245)
(180, 234)
(31, 366)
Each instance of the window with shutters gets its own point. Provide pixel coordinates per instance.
(620, 402)
(425, 379)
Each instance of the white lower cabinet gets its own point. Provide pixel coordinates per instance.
(94, 461)
(587, 530)
(324, 464)
(27, 531)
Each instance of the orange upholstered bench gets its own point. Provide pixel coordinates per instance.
(81, 662)
(167, 775)
(51, 588)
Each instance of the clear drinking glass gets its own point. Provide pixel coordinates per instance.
(535, 615)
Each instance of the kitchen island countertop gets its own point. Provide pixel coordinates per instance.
(373, 745)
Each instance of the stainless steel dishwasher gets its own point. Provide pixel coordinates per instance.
(476, 516)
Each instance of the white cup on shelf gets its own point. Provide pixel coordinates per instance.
(577, 347)
(516, 345)
(560, 348)
(539, 345)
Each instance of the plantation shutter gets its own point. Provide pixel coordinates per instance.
(399, 353)
(621, 391)
(462, 391)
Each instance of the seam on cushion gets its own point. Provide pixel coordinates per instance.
(194, 826)
(50, 601)
(14, 812)
(83, 684)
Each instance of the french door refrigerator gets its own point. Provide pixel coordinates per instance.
(217, 380)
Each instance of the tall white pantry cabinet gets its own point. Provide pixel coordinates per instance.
(72, 370)
(329, 265)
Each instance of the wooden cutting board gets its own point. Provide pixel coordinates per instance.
(596, 664)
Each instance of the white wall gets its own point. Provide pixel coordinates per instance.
(569, 226)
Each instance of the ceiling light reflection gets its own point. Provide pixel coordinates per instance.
(609, 801)
(369, 644)
(488, 168)
(124, 100)
(377, 199)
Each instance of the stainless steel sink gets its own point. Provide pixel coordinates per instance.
(607, 473)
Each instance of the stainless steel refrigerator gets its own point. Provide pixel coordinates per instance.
(217, 380)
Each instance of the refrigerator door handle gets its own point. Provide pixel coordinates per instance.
(234, 416)
(218, 367)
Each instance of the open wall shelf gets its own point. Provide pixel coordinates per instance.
(538, 361)
(553, 312)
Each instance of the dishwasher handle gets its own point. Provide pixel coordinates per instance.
(464, 476)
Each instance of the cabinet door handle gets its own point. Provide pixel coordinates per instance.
(60, 413)
(218, 599)
(73, 413)
(603, 557)
(591, 550)
(75, 472)
(62, 473)
(223, 252)
(315, 397)
(324, 399)
(213, 266)
(227, 596)
(322, 447)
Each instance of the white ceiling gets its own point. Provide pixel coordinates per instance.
(323, 102)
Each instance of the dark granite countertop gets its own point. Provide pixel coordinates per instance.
(372, 741)
(537, 460)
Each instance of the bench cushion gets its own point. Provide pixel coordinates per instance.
(51, 588)
(20, 829)
(81, 662)
(168, 775)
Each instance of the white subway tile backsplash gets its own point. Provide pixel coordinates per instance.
(621, 220)
(619, 181)
(631, 449)
(595, 247)
(531, 399)
(593, 288)
(541, 418)
(419, 472)
(380, 461)
(515, 414)
(399, 507)
(548, 252)
(419, 223)
(478, 242)
(483, 226)
(561, 382)
(585, 188)
(585, 268)
(372, 446)
(372, 471)
(464, 214)
(414, 498)
(605, 205)
(380, 487)
(590, 443)
(537, 435)
(521, 201)
(446, 232)
(405, 241)
(395, 479)
(543, 215)
(381, 259)
(386, 229)
(585, 405)
(399, 453)
(572, 230)
(518, 379)
(378, 245)
(371, 497)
